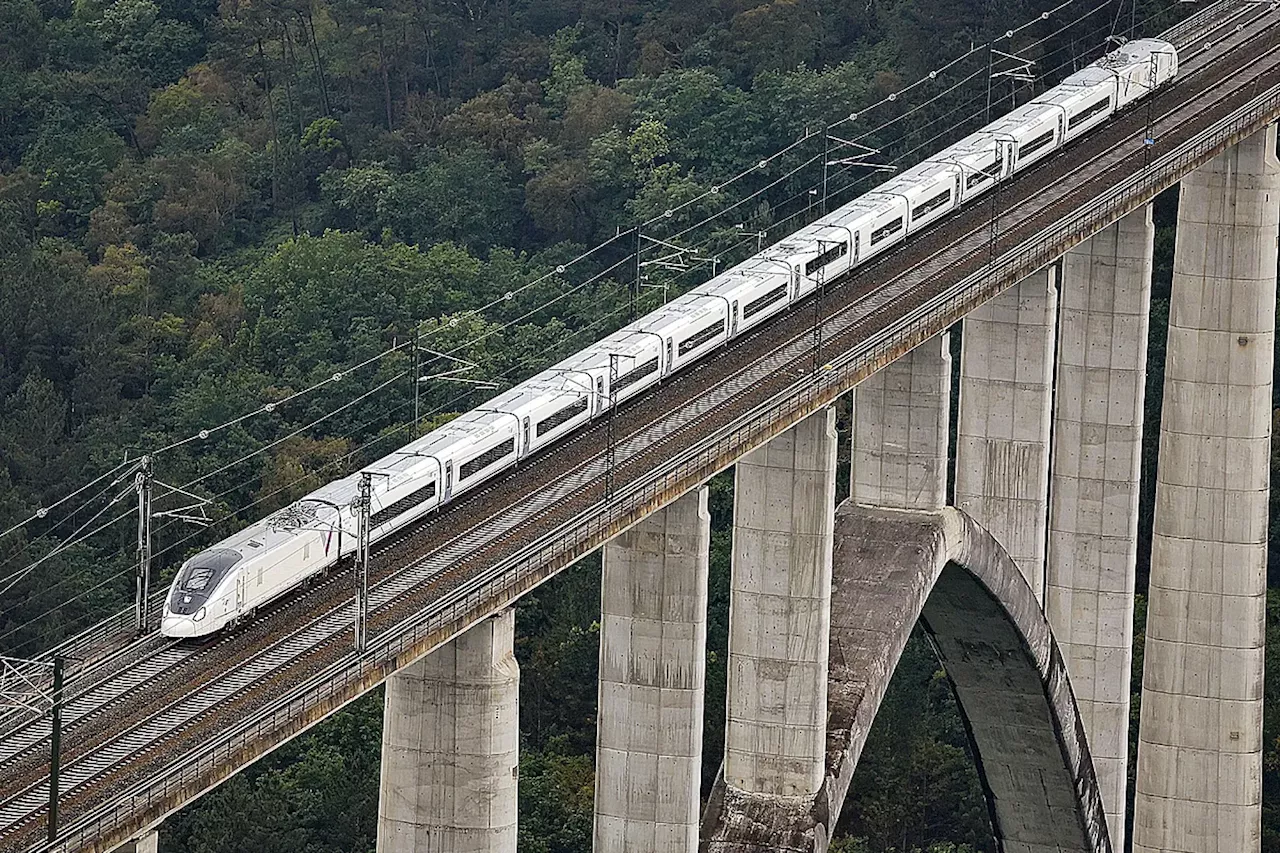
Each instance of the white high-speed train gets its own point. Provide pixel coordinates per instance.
(227, 582)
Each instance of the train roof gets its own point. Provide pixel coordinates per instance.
(743, 275)
(1090, 75)
(691, 305)
(1066, 96)
(1138, 50)
(911, 179)
(875, 203)
(1023, 117)
(529, 395)
(628, 343)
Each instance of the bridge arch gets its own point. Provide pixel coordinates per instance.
(891, 569)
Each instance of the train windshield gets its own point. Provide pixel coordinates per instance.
(200, 577)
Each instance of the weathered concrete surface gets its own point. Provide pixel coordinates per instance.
(1002, 437)
(1200, 739)
(901, 422)
(779, 612)
(147, 843)
(450, 747)
(653, 639)
(890, 568)
(1105, 295)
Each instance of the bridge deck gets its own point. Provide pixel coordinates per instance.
(144, 738)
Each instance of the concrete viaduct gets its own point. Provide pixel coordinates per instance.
(1024, 581)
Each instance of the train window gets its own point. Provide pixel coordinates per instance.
(837, 251)
(697, 339)
(755, 306)
(412, 499)
(198, 578)
(484, 460)
(1091, 111)
(886, 231)
(942, 199)
(570, 411)
(636, 374)
(1036, 144)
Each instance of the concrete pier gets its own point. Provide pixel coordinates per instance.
(148, 842)
(1200, 737)
(1096, 470)
(1006, 394)
(450, 747)
(653, 639)
(780, 612)
(901, 418)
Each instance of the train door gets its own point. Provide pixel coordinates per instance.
(240, 591)
(448, 480)
(959, 185)
(795, 283)
(525, 446)
(600, 398)
(1062, 127)
(1006, 157)
(857, 247)
(670, 352)
(733, 318)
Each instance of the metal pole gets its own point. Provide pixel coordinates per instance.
(826, 148)
(55, 745)
(817, 319)
(613, 411)
(142, 484)
(991, 69)
(417, 340)
(635, 285)
(362, 561)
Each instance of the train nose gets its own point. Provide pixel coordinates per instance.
(177, 626)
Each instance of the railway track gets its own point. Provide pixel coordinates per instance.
(134, 729)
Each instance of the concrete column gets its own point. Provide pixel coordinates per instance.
(1200, 737)
(653, 662)
(780, 612)
(901, 418)
(1093, 512)
(450, 747)
(145, 843)
(1006, 391)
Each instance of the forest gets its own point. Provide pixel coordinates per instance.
(221, 220)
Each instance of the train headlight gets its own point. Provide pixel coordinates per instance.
(199, 615)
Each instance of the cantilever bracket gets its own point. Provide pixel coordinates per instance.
(1020, 70)
(464, 366)
(862, 156)
(192, 513)
(24, 684)
(677, 257)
